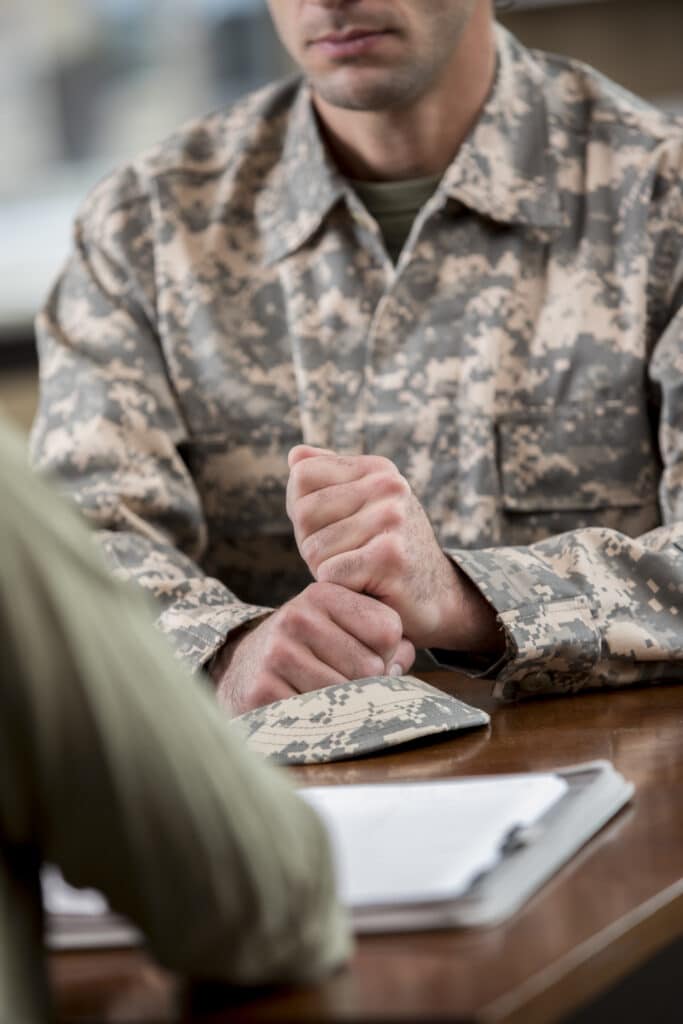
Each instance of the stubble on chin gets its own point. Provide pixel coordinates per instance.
(390, 89)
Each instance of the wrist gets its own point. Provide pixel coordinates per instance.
(469, 623)
(219, 664)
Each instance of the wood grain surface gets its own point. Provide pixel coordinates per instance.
(615, 905)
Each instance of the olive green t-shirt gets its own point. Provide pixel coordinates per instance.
(394, 205)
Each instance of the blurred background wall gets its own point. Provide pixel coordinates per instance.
(87, 83)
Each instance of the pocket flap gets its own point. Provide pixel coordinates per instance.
(570, 457)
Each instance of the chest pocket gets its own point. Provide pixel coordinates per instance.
(571, 466)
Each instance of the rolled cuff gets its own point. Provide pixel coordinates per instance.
(553, 639)
(198, 633)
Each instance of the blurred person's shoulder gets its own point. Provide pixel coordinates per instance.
(234, 144)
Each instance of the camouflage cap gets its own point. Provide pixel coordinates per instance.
(353, 719)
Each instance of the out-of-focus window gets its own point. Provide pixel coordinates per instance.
(85, 84)
(95, 80)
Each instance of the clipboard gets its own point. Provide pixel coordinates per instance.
(527, 856)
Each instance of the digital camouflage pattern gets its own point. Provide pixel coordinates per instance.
(353, 719)
(229, 296)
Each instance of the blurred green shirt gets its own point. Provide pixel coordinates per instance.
(116, 767)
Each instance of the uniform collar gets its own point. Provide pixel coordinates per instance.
(306, 185)
(504, 169)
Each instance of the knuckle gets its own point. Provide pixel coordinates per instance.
(277, 649)
(402, 486)
(389, 638)
(318, 593)
(390, 629)
(389, 550)
(297, 483)
(389, 481)
(396, 487)
(262, 691)
(406, 654)
(302, 513)
(293, 485)
(326, 574)
(309, 548)
(342, 569)
(384, 465)
(295, 620)
(390, 516)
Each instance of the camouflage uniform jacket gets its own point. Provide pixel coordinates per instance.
(522, 364)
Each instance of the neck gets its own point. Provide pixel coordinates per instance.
(423, 138)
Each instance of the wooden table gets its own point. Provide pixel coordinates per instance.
(605, 914)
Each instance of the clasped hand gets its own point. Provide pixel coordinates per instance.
(382, 587)
(359, 525)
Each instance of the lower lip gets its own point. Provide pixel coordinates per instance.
(358, 46)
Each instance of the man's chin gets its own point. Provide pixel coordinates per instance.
(352, 89)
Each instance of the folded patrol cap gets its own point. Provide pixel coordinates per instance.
(353, 719)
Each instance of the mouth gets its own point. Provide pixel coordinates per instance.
(351, 42)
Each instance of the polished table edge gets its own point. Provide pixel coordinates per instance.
(641, 730)
(594, 966)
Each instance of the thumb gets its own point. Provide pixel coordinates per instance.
(402, 660)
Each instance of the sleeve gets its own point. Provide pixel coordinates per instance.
(109, 426)
(594, 607)
(125, 773)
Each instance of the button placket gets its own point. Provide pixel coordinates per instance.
(386, 313)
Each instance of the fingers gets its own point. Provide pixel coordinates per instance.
(325, 635)
(376, 519)
(339, 505)
(305, 451)
(403, 659)
(309, 626)
(335, 503)
(312, 471)
(358, 525)
(349, 636)
(371, 568)
(320, 508)
(374, 624)
(297, 666)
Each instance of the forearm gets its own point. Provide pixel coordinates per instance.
(127, 478)
(110, 430)
(198, 613)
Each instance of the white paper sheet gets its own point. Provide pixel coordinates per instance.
(61, 898)
(422, 841)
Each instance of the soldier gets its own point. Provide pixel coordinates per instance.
(115, 767)
(441, 275)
